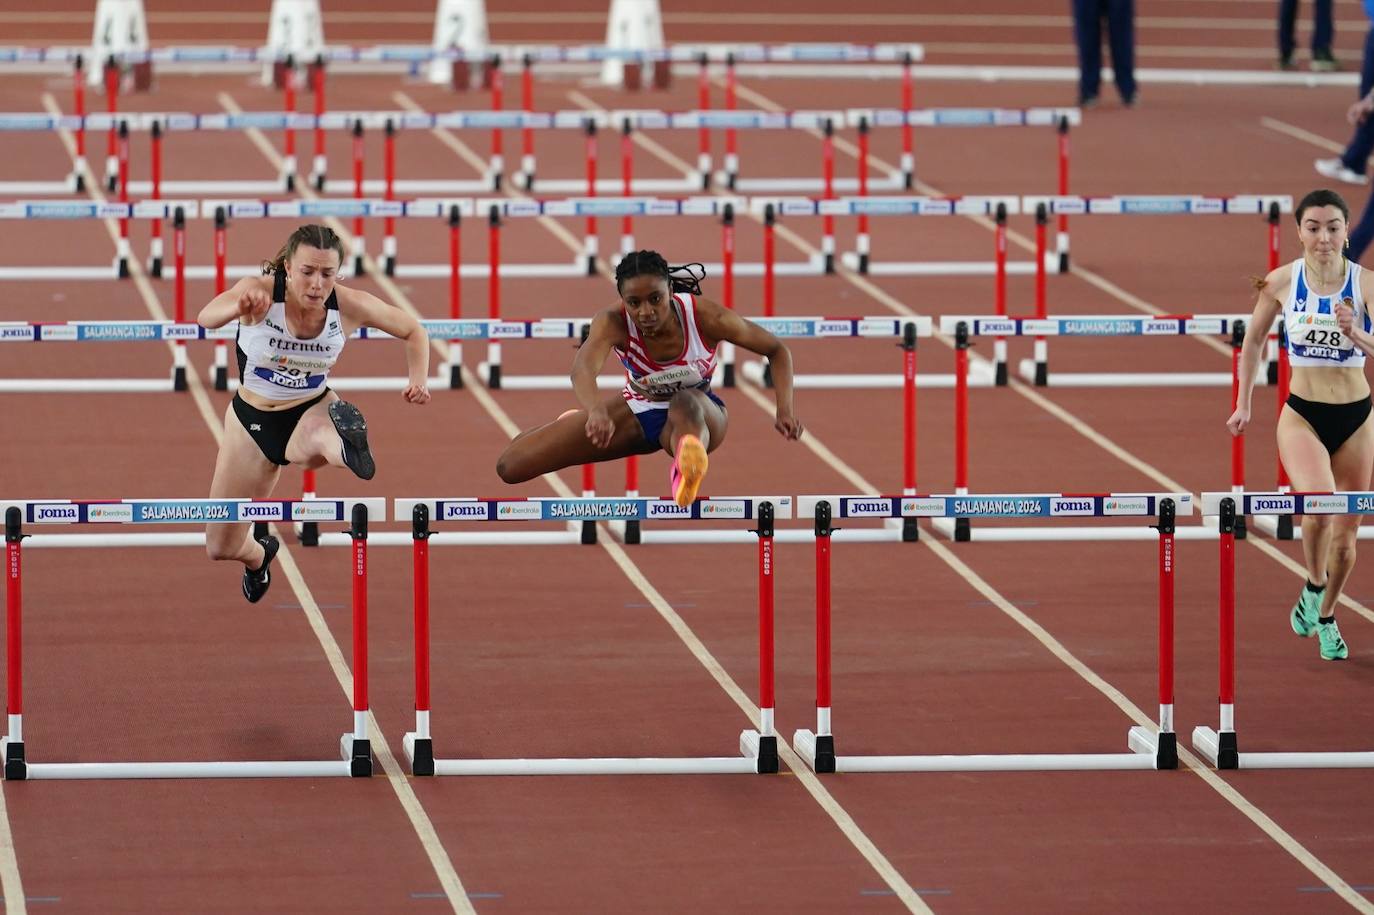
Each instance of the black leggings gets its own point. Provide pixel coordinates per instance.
(1333, 422)
(272, 429)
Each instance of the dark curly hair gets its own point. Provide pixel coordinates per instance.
(686, 278)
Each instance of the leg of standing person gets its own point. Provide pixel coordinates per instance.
(1362, 233)
(1121, 36)
(1288, 18)
(1323, 34)
(1352, 165)
(1087, 33)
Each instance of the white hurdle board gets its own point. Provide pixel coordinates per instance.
(23, 515)
(758, 747)
(1219, 746)
(1148, 749)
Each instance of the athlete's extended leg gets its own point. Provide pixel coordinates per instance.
(1350, 467)
(332, 432)
(564, 443)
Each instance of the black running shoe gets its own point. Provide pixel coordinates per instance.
(352, 428)
(256, 581)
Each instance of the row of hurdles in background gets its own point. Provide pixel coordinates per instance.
(1150, 747)
(903, 331)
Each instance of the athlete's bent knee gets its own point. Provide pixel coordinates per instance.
(510, 471)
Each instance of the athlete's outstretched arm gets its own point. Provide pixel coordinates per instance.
(719, 323)
(364, 309)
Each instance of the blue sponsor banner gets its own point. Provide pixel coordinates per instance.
(964, 117)
(787, 327)
(593, 509)
(190, 511)
(116, 330)
(1100, 327)
(998, 506)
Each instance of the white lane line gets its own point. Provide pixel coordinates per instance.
(1299, 133)
(405, 794)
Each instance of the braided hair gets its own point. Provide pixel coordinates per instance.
(686, 278)
(315, 236)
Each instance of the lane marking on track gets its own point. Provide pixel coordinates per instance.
(846, 824)
(1299, 133)
(381, 747)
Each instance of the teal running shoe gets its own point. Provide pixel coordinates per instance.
(1305, 612)
(1333, 646)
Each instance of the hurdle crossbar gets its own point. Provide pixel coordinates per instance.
(355, 747)
(1220, 746)
(758, 747)
(1149, 749)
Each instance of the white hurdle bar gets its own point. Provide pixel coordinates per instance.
(355, 748)
(758, 747)
(1219, 746)
(1149, 748)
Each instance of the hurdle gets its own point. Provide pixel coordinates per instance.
(1219, 746)
(758, 747)
(57, 210)
(356, 753)
(1148, 749)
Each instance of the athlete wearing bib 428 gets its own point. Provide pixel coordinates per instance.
(666, 336)
(1325, 436)
(293, 322)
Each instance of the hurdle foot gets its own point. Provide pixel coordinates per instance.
(1000, 375)
(591, 265)
(390, 268)
(910, 532)
(829, 263)
(764, 750)
(767, 375)
(1271, 372)
(309, 533)
(1162, 746)
(963, 533)
(16, 770)
(112, 183)
(221, 378)
(420, 752)
(358, 752)
(317, 181)
(1064, 262)
(179, 378)
(727, 375)
(155, 268)
(1219, 749)
(589, 532)
(632, 532)
(290, 183)
(1042, 374)
(1284, 528)
(80, 184)
(123, 268)
(908, 180)
(863, 264)
(1240, 527)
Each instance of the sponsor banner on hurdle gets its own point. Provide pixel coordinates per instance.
(964, 117)
(1291, 503)
(1159, 204)
(1019, 505)
(1093, 325)
(715, 508)
(109, 331)
(191, 511)
(886, 206)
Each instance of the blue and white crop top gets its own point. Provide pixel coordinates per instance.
(1310, 321)
(278, 365)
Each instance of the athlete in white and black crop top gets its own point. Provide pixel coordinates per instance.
(666, 336)
(293, 322)
(1325, 435)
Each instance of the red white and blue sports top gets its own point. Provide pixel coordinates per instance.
(276, 364)
(1313, 336)
(649, 384)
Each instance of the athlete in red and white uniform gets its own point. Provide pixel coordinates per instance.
(666, 336)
